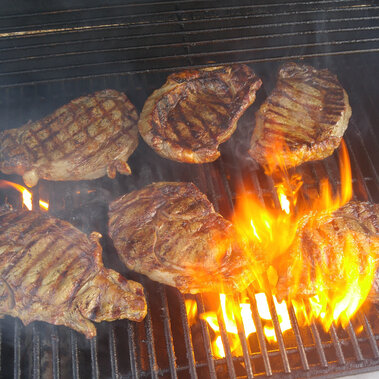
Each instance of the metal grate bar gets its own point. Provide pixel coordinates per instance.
(259, 330)
(74, 355)
(118, 20)
(319, 347)
(36, 352)
(132, 350)
(205, 334)
(369, 333)
(299, 340)
(17, 349)
(147, 37)
(354, 342)
(160, 58)
(150, 339)
(113, 352)
(337, 345)
(278, 333)
(187, 337)
(242, 337)
(168, 332)
(94, 361)
(55, 351)
(226, 345)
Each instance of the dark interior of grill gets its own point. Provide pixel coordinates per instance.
(52, 53)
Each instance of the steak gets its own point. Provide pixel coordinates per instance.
(319, 244)
(85, 139)
(196, 110)
(171, 233)
(303, 119)
(50, 271)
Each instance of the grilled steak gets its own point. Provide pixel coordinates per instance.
(50, 271)
(320, 243)
(171, 233)
(302, 120)
(196, 110)
(84, 139)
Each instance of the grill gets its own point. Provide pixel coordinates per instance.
(51, 55)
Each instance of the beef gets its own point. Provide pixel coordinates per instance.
(303, 119)
(171, 233)
(85, 139)
(196, 110)
(319, 244)
(50, 271)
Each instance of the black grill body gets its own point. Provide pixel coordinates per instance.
(50, 55)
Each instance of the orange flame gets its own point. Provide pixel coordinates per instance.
(274, 230)
(27, 198)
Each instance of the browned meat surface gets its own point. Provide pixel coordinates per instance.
(196, 110)
(84, 139)
(320, 243)
(302, 120)
(50, 271)
(171, 233)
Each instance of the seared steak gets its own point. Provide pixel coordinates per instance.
(84, 139)
(196, 110)
(50, 271)
(302, 120)
(171, 233)
(320, 243)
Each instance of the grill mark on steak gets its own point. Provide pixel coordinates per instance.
(308, 110)
(78, 141)
(196, 110)
(57, 271)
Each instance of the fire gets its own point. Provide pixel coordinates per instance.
(274, 230)
(27, 197)
(228, 311)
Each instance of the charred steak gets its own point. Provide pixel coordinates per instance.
(196, 110)
(84, 139)
(171, 233)
(303, 119)
(50, 271)
(319, 244)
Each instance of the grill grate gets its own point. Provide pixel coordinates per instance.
(131, 47)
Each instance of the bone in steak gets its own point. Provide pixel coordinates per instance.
(302, 120)
(196, 110)
(171, 233)
(320, 242)
(84, 139)
(50, 271)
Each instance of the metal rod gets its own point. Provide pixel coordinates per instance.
(242, 336)
(369, 333)
(226, 345)
(337, 345)
(55, 352)
(94, 361)
(187, 337)
(168, 332)
(260, 334)
(354, 342)
(36, 352)
(299, 340)
(74, 355)
(132, 350)
(206, 338)
(150, 340)
(113, 352)
(16, 349)
(319, 347)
